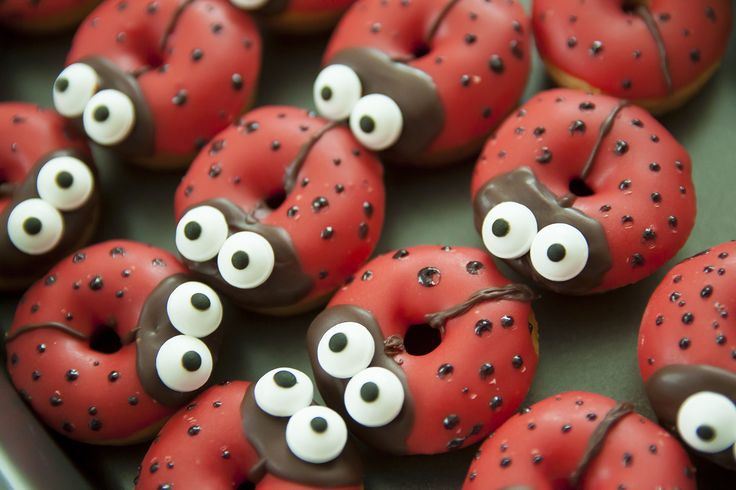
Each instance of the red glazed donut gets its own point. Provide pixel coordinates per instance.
(297, 15)
(43, 16)
(112, 341)
(279, 209)
(579, 440)
(583, 193)
(687, 353)
(428, 351)
(140, 87)
(49, 192)
(425, 82)
(265, 433)
(655, 53)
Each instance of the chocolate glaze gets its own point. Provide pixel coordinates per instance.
(287, 284)
(669, 387)
(391, 437)
(267, 434)
(522, 186)
(412, 89)
(642, 10)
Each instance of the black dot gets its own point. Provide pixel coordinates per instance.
(577, 126)
(496, 402)
(154, 468)
(507, 321)
(451, 421)
(191, 361)
(482, 326)
(445, 370)
(505, 462)
(96, 283)
(319, 203)
(496, 64)
(95, 424)
(545, 155)
(628, 459)
(596, 47)
(197, 54)
(684, 343)
(695, 55)
(556, 252)
(225, 454)
(284, 379)
(36, 375)
(486, 370)
(586, 106)
(318, 424)
(240, 260)
(572, 42)
(64, 179)
(194, 430)
(200, 301)
(61, 84)
(566, 428)
(500, 227)
(338, 342)
(621, 147)
(41, 348)
(132, 400)
(656, 197)
(101, 113)
(688, 318)
(470, 38)
(32, 226)
(72, 375)
(78, 257)
(113, 376)
(705, 432)
(473, 267)
(369, 391)
(429, 277)
(326, 93)
(517, 361)
(236, 81)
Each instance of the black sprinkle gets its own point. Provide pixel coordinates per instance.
(566, 428)
(505, 462)
(470, 38)
(95, 424)
(507, 321)
(474, 267)
(595, 48)
(327, 233)
(517, 361)
(621, 147)
(496, 64)
(78, 257)
(132, 400)
(113, 376)
(684, 343)
(72, 375)
(695, 55)
(482, 326)
(445, 370)
(572, 41)
(319, 203)
(429, 277)
(577, 126)
(545, 155)
(656, 197)
(96, 283)
(637, 260)
(516, 50)
(496, 402)
(486, 370)
(363, 231)
(194, 430)
(451, 421)
(400, 254)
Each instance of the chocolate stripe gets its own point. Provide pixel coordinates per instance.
(432, 30)
(664, 64)
(295, 166)
(172, 24)
(52, 325)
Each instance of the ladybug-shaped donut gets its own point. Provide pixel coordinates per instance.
(154, 81)
(266, 433)
(583, 441)
(296, 16)
(427, 350)
(687, 353)
(49, 192)
(425, 82)
(43, 16)
(279, 209)
(655, 53)
(112, 341)
(583, 193)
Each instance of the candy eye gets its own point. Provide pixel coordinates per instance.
(65, 182)
(282, 392)
(509, 230)
(707, 421)
(316, 434)
(374, 397)
(345, 349)
(35, 226)
(336, 91)
(109, 117)
(246, 260)
(184, 363)
(559, 252)
(249, 4)
(376, 121)
(73, 88)
(200, 233)
(194, 309)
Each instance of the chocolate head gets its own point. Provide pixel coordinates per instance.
(254, 264)
(108, 104)
(391, 106)
(358, 379)
(541, 235)
(698, 402)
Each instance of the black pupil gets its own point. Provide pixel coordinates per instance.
(61, 85)
(240, 260)
(64, 179)
(191, 361)
(367, 124)
(200, 301)
(705, 432)
(192, 230)
(101, 113)
(500, 227)
(284, 379)
(556, 252)
(338, 342)
(318, 424)
(32, 226)
(369, 391)
(326, 93)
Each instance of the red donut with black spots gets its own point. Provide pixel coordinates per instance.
(583, 193)
(155, 80)
(43, 16)
(655, 53)
(49, 192)
(296, 16)
(425, 82)
(279, 209)
(112, 341)
(268, 434)
(428, 350)
(579, 440)
(687, 353)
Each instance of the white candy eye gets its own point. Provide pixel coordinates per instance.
(336, 91)
(376, 121)
(65, 182)
(194, 309)
(73, 88)
(559, 252)
(200, 233)
(246, 260)
(707, 421)
(35, 226)
(282, 392)
(509, 230)
(374, 397)
(316, 434)
(184, 363)
(109, 117)
(249, 4)
(345, 349)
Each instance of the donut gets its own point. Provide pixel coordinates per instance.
(583, 193)
(296, 16)
(429, 350)
(579, 440)
(43, 17)
(655, 53)
(279, 209)
(268, 434)
(424, 82)
(49, 193)
(112, 341)
(155, 97)
(687, 353)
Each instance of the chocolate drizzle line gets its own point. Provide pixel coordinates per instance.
(432, 30)
(597, 439)
(295, 166)
(172, 24)
(64, 328)
(664, 64)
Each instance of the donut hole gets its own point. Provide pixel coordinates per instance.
(580, 188)
(275, 199)
(105, 339)
(421, 339)
(421, 49)
(247, 485)
(630, 6)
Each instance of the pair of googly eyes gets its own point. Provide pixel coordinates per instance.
(184, 362)
(245, 259)
(707, 422)
(108, 116)
(374, 396)
(558, 252)
(375, 119)
(35, 226)
(314, 434)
